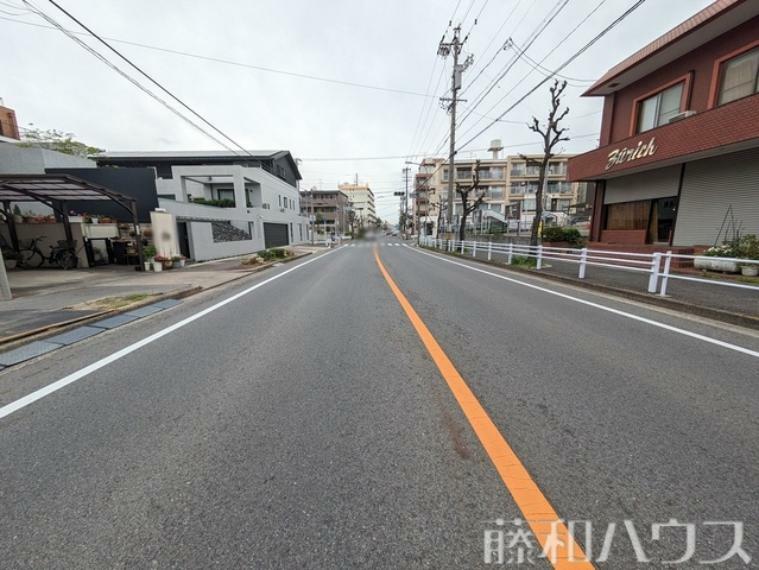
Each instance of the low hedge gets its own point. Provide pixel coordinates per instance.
(271, 254)
(569, 235)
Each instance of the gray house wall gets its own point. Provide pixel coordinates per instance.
(15, 159)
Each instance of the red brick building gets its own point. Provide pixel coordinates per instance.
(8, 124)
(678, 163)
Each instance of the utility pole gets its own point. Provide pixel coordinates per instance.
(405, 203)
(445, 49)
(5, 288)
(311, 218)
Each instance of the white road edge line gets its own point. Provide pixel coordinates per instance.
(625, 314)
(15, 406)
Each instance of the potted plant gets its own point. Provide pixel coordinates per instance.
(10, 258)
(718, 251)
(163, 261)
(148, 254)
(178, 260)
(748, 248)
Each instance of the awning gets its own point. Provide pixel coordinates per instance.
(54, 190)
(48, 188)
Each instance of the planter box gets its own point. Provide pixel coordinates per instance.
(715, 264)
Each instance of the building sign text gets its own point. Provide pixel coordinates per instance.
(621, 155)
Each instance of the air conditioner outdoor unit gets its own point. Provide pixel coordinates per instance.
(681, 116)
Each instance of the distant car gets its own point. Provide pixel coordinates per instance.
(395, 232)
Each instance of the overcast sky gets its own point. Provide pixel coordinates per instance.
(53, 83)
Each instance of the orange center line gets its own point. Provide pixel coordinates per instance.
(549, 530)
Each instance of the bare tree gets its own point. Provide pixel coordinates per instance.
(552, 135)
(464, 191)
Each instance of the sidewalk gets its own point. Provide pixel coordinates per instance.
(725, 303)
(49, 297)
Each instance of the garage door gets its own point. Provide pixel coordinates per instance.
(275, 235)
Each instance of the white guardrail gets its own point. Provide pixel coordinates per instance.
(657, 265)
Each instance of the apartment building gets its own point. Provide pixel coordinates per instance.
(678, 163)
(509, 185)
(361, 198)
(331, 210)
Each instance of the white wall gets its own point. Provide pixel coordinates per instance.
(268, 193)
(203, 247)
(52, 233)
(164, 228)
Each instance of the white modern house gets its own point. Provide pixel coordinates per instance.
(222, 204)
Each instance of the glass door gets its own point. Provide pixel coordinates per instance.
(662, 221)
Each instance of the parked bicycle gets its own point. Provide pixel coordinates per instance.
(63, 254)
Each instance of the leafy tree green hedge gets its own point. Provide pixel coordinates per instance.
(570, 235)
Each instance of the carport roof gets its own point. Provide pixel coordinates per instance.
(53, 187)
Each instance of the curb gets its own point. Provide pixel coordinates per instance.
(19, 339)
(698, 310)
(40, 333)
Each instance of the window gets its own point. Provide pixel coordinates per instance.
(495, 192)
(740, 77)
(226, 194)
(557, 168)
(660, 108)
(554, 187)
(279, 197)
(628, 215)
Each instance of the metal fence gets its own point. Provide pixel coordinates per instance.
(657, 265)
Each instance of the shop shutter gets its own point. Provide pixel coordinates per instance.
(659, 183)
(710, 187)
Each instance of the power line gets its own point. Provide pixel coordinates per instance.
(137, 84)
(148, 77)
(577, 54)
(240, 64)
(550, 17)
(542, 69)
(487, 47)
(546, 56)
(425, 136)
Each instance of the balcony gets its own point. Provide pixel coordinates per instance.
(491, 173)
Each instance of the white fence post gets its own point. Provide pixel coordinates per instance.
(490, 250)
(653, 281)
(540, 257)
(511, 252)
(583, 262)
(474, 249)
(463, 243)
(665, 275)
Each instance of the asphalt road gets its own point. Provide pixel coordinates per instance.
(304, 424)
